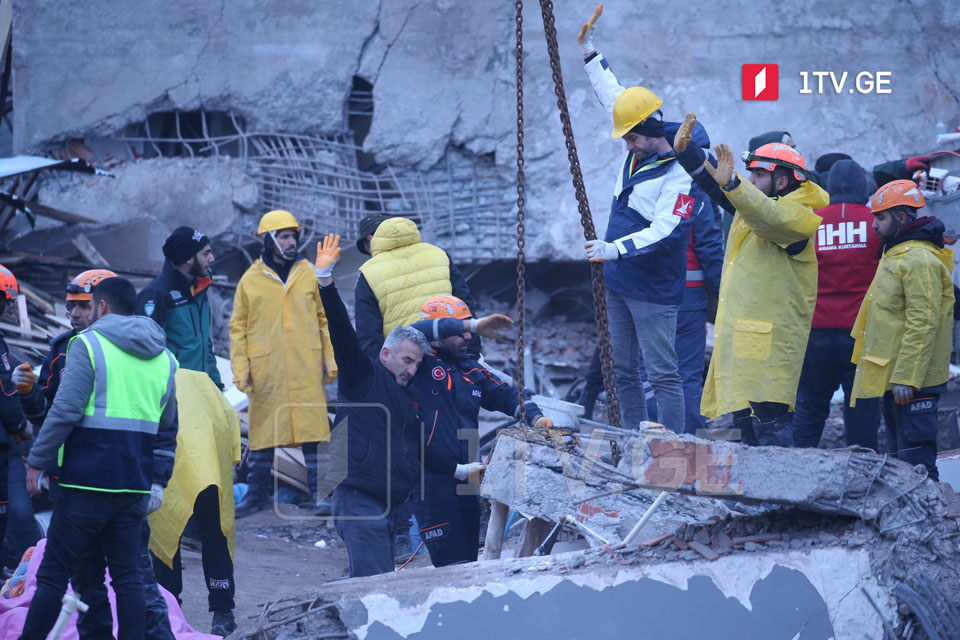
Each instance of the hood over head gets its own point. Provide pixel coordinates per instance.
(926, 229)
(137, 335)
(847, 182)
(394, 233)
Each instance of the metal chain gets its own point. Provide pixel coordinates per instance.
(521, 257)
(586, 219)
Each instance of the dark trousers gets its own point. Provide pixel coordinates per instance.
(691, 351)
(449, 522)
(217, 565)
(260, 464)
(83, 521)
(367, 527)
(827, 366)
(912, 429)
(771, 427)
(87, 579)
(22, 527)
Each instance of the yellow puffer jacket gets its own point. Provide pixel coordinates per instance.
(904, 330)
(279, 349)
(766, 301)
(404, 272)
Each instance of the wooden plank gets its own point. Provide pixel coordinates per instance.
(22, 312)
(493, 542)
(86, 248)
(758, 538)
(40, 347)
(534, 533)
(31, 332)
(57, 320)
(36, 297)
(704, 550)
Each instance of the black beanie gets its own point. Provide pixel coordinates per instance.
(827, 160)
(183, 244)
(368, 226)
(652, 127)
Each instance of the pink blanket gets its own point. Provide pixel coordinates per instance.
(13, 612)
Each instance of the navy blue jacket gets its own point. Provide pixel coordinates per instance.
(653, 242)
(12, 417)
(51, 371)
(707, 242)
(449, 396)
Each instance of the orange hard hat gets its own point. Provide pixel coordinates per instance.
(80, 288)
(899, 193)
(769, 156)
(445, 307)
(8, 283)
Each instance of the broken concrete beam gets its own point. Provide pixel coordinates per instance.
(853, 482)
(537, 480)
(593, 594)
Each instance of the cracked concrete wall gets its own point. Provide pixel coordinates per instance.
(443, 76)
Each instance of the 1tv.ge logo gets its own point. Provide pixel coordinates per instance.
(762, 82)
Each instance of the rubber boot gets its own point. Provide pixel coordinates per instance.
(252, 502)
(223, 623)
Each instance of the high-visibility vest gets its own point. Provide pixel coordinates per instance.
(112, 447)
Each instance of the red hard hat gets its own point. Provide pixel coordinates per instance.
(8, 283)
(769, 156)
(445, 307)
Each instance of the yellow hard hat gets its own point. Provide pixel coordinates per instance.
(632, 107)
(276, 220)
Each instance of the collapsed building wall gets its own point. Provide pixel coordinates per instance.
(442, 78)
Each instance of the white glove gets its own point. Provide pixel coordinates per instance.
(328, 252)
(156, 497)
(600, 251)
(586, 42)
(465, 471)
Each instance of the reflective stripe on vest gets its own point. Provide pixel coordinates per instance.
(694, 278)
(129, 395)
(100, 413)
(694, 272)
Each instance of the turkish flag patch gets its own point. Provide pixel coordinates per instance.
(684, 206)
(438, 373)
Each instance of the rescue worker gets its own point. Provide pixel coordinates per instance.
(365, 230)
(904, 328)
(643, 250)
(402, 273)
(279, 350)
(376, 440)
(847, 256)
(79, 294)
(768, 289)
(112, 469)
(177, 300)
(15, 376)
(451, 387)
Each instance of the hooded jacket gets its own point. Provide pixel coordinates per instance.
(847, 248)
(181, 307)
(107, 459)
(767, 294)
(904, 331)
(279, 349)
(402, 274)
(653, 203)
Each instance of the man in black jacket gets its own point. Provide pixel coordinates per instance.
(375, 443)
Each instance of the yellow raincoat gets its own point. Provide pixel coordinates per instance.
(904, 330)
(208, 445)
(404, 272)
(279, 349)
(766, 300)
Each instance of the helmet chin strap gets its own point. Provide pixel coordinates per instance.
(283, 255)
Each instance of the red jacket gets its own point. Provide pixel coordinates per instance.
(848, 251)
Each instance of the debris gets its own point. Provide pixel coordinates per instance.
(704, 550)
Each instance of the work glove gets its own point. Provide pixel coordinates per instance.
(472, 472)
(328, 252)
(489, 326)
(600, 251)
(723, 174)
(920, 163)
(23, 377)
(24, 435)
(682, 138)
(543, 422)
(156, 497)
(585, 38)
(902, 393)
